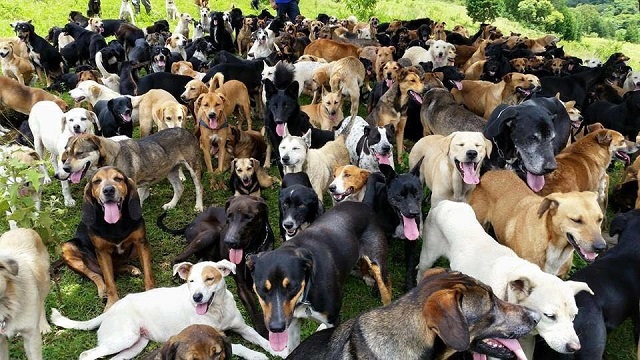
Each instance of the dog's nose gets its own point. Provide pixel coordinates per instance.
(332, 188)
(285, 159)
(572, 347)
(212, 115)
(277, 326)
(599, 246)
(287, 224)
(386, 148)
(414, 213)
(109, 190)
(472, 154)
(197, 297)
(76, 128)
(184, 98)
(549, 166)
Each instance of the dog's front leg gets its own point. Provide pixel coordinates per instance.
(247, 353)
(400, 136)
(144, 251)
(4, 348)
(143, 193)
(205, 145)
(32, 344)
(106, 266)
(66, 194)
(409, 258)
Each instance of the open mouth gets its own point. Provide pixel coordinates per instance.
(79, 98)
(622, 156)
(4, 55)
(456, 84)
(340, 197)
(112, 210)
(382, 158)
(588, 256)
(499, 348)
(126, 117)
(202, 308)
(246, 182)
(468, 171)
(576, 124)
(526, 92)
(76, 176)
(415, 96)
(291, 232)
(213, 121)
(161, 64)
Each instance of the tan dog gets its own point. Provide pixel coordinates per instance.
(93, 75)
(349, 183)
(331, 50)
(347, 75)
(555, 66)
(543, 230)
(195, 342)
(383, 56)
(236, 96)
(186, 68)
(518, 64)
(162, 109)
(582, 166)
(539, 45)
(21, 98)
(242, 144)
(460, 29)
(24, 284)
(244, 36)
(248, 177)
(327, 113)
(477, 54)
(475, 70)
(14, 66)
(210, 118)
(193, 89)
(451, 165)
(482, 97)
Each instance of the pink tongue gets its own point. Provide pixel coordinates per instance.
(201, 309)
(389, 82)
(469, 174)
(280, 129)
(410, 228)
(111, 213)
(416, 97)
(513, 345)
(235, 255)
(477, 356)
(161, 63)
(126, 118)
(278, 341)
(589, 255)
(458, 84)
(384, 159)
(213, 124)
(76, 177)
(535, 182)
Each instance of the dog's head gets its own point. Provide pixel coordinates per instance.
(23, 30)
(122, 108)
(348, 180)
(249, 23)
(518, 64)
(466, 150)
(8, 275)
(440, 50)
(83, 90)
(96, 25)
(111, 195)
(390, 72)
(282, 104)
(315, 26)
(578, 216)
(82, 153)
(378, 140)
(176, 41)
(247, 218)
(618, 146)
(79, 121)
(159, 57)
(6, 49)
(281, 279)
(299, 207)
(204, 280)
(593, 62)
(197, 342)
(85, 75)
(521, 84)
(293, 149)
(410, 83)
(467, 315)
(332, 104)
(185, 18)
(574, 113)
(404, 193)
(460, 29)
(556, 66)
(245, 170)
(384, 54)
(193, 89)
(172, 114)
(209, 108)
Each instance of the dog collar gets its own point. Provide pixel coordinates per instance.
(210, 128)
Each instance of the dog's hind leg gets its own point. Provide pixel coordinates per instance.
(116, 341)
(381, 277)
(73, 257)
(143, 193)
(178, 189)
(134, 350)
(355, 102)
(196, 175)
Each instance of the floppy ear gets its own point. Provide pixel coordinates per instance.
(94, 119)
(251, 260)
(9, 265)
(618, 224)
(521, 288)
(63, 122)
(227, 347)
(549, 203)
(182, 269)
(497, 126)
(158, 114)
(196, 105)
(88, 206)
(578, 286)
(233, 166)
(307, 260)
(224, 99)
(226, 267)
(444, 316)
(228, 203)
(393, 49)
(185, 112)
(507, 77)
(169, 350)
(366, 130)
(445, 142)
(134, 206)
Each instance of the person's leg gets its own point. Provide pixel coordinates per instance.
(147, 5)
(293, 10)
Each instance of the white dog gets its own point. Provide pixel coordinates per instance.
(52, 129)
(593, 62)
(182, 27)
(632, 82)
(92, 92)
(451, 165)
(438, 54)
(262, 46)
(172, 9)
(451, 230)
(205, 19)
(177, 43)
(126, 11)
(163, 312)
(303, 74)
(24, 284)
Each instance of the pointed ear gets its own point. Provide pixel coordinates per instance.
(251, 260)
(618, 224)
(182, 269)
(88, 206)
(498, 125)
(224, 98)
(416, 168)
(286, 131)
(549, 203)
(226, 267)
(444, 316)
(134, 206)
(292, 90)
(604, 137)
(578, 286)
(269, 88)
(388, 172)
(307, 137)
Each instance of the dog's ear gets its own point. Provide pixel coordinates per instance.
(182, 269)
(391, 131)
(393, 49)
(88, 206)
(445, 142)
(618, 224)
(307, 260)
(578, 286)
(169, 350)
(196, 105)
(504, 119)
(319, 210)
(521, 287)
(227, 347)
(444, 316)
(307, 138)
(286, 131)
(269, 88)
(604, 137)
(9, 265)
(133, 205)
(228, 203)
(63, 123)
(158, 114)
(548, 203)
(251, 260)
(226, 267)
(292, 90)
(233, 166)
(507, 78)
(388, 172)
(488, 146)
(185, 112)
(94, 119)
(366, 130)
(415, 171)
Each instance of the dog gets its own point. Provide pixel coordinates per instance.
(177, 43)
(619, 117)
(558, 223)
(296, 155)
(171, 9)
(248, 177)
(201, 341)
(115, 116)
(22, 98)
(303, 277)
(446, 232)
(52, 129)
(126, 12)
(441, 115)
(244, 36)
(162, 59)
(45, 58)
(453, 305)
(262, 46)
(438, 54)
(14, 66)
(182, 28)
(451, 165)
(240, 144)
(92, 92)
(158, 309)
(349, 183)
(136, 159)
(331, 50)
(397, 202)
(328, 112)
(111, 232)
(94, 8)
(368, 146)
(298, 204)
(632, 81)
(236, 98)
(162, 109)
(391, 109)
(88, 43)
(25, 270)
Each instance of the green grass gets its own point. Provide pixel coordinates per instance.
(76, 296)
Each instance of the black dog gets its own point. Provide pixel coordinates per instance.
(220, 37)
(161, 59)
(42, 54)
(111, 56)
(93, 8)
(298, 204)
(111, 26)
(234, 232)
(171, 83)
(397, 203)
(115, 116)
(527, 137)
(624, 117)
(88, 42)
(128, 79)
(77, 18)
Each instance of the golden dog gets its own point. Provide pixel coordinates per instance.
(328, 112)
(331, 50)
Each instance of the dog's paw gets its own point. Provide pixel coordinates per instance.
(69, 202)
(45, 328)
(168, 206)
(199, 208)
(47, 180)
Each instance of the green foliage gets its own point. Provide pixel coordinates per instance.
(362, 8)
(568, 28)
(535, 11)
(484, 10)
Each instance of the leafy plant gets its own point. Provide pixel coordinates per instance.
(362, 8)
(484, 10)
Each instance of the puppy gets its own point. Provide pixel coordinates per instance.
(248, 177)
(166, 311)
(182, 27)
(172, 9)
(451, 165)
(14, 66)
(126, 12)
(349, 183)
(24, 284)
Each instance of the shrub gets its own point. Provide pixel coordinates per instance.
(484, 10)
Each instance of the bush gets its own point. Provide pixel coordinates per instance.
(363, 9)
(484, 10)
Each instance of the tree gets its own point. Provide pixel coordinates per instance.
(363, 9)
(484, 10)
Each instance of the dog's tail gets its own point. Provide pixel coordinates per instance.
(283, 75)
(67, 323)
(103, 71)
(216, 81)
(163, 227)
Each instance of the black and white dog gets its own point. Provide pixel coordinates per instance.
(368, 147)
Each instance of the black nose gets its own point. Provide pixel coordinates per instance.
(332, 188)
(287, 225)
(285, 158)
(277, 326)
(76, 128)
(386, 148)
(599, 247)
(109, 190)
(549, 166)
(413, 213)
(534, 316)
(197, 297)
(472, 154)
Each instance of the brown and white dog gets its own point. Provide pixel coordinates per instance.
(349, 183)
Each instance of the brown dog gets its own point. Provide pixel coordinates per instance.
(543, 230)
(21, 98)
(383, 56)
(248, 177)
(328, 112)
(236, 96)
(14, 66)
(482, 97)
(244, 36)
(241, 144)
(112, 232)
(331, 50)
(518, 64)
(198, 341)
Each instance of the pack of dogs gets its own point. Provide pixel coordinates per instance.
(494, 152)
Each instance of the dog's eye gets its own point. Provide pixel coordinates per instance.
(577, 221)
(118, 179)
(347, 175)
(550, 316)
(96, 182)
(209, 279)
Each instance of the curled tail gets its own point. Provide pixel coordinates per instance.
(163, 227)
(67, 323)
(103, 71)
(216, 82)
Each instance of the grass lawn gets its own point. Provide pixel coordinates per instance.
(76, 296)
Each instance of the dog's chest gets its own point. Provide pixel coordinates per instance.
(34, 56)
